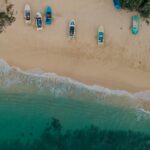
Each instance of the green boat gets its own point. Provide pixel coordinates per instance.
(135, 24)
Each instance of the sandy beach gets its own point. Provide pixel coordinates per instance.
(122, 63)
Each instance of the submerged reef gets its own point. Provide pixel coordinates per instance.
(90, 138)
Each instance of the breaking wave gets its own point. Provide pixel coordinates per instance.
(16, 80)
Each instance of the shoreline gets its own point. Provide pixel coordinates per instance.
(16, 80)
(122, 64)
(114, 83)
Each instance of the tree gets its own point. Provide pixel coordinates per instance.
(132, 4)
(142, 6)
(145, 9)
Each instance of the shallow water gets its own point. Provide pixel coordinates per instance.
(29, 102)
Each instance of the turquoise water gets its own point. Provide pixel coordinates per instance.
(40, 111)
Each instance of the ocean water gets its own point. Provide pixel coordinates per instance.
(44, 111)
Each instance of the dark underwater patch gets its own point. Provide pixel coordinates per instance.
(90, 138)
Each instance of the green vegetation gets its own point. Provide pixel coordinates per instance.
(6, 17)
(142, 6)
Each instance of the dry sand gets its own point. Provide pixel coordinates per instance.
(122, 63)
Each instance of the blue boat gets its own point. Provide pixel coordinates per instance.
(48, 15)
(117, 4)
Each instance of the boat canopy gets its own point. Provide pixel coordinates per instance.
(117, 4)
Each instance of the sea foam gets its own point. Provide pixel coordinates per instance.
(14, 79)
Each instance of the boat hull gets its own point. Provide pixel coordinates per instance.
(48, 15)
(27, 14)
(39, 23)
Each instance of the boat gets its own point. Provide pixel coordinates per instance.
(27, 14)
(39, 23)
(100, 35)
(48, 15)
(117, 4)
(135, 24)
(72, 26)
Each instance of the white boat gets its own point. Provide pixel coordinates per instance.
(101, 35)
(39, 22)
(72, 29)
(27, 14)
